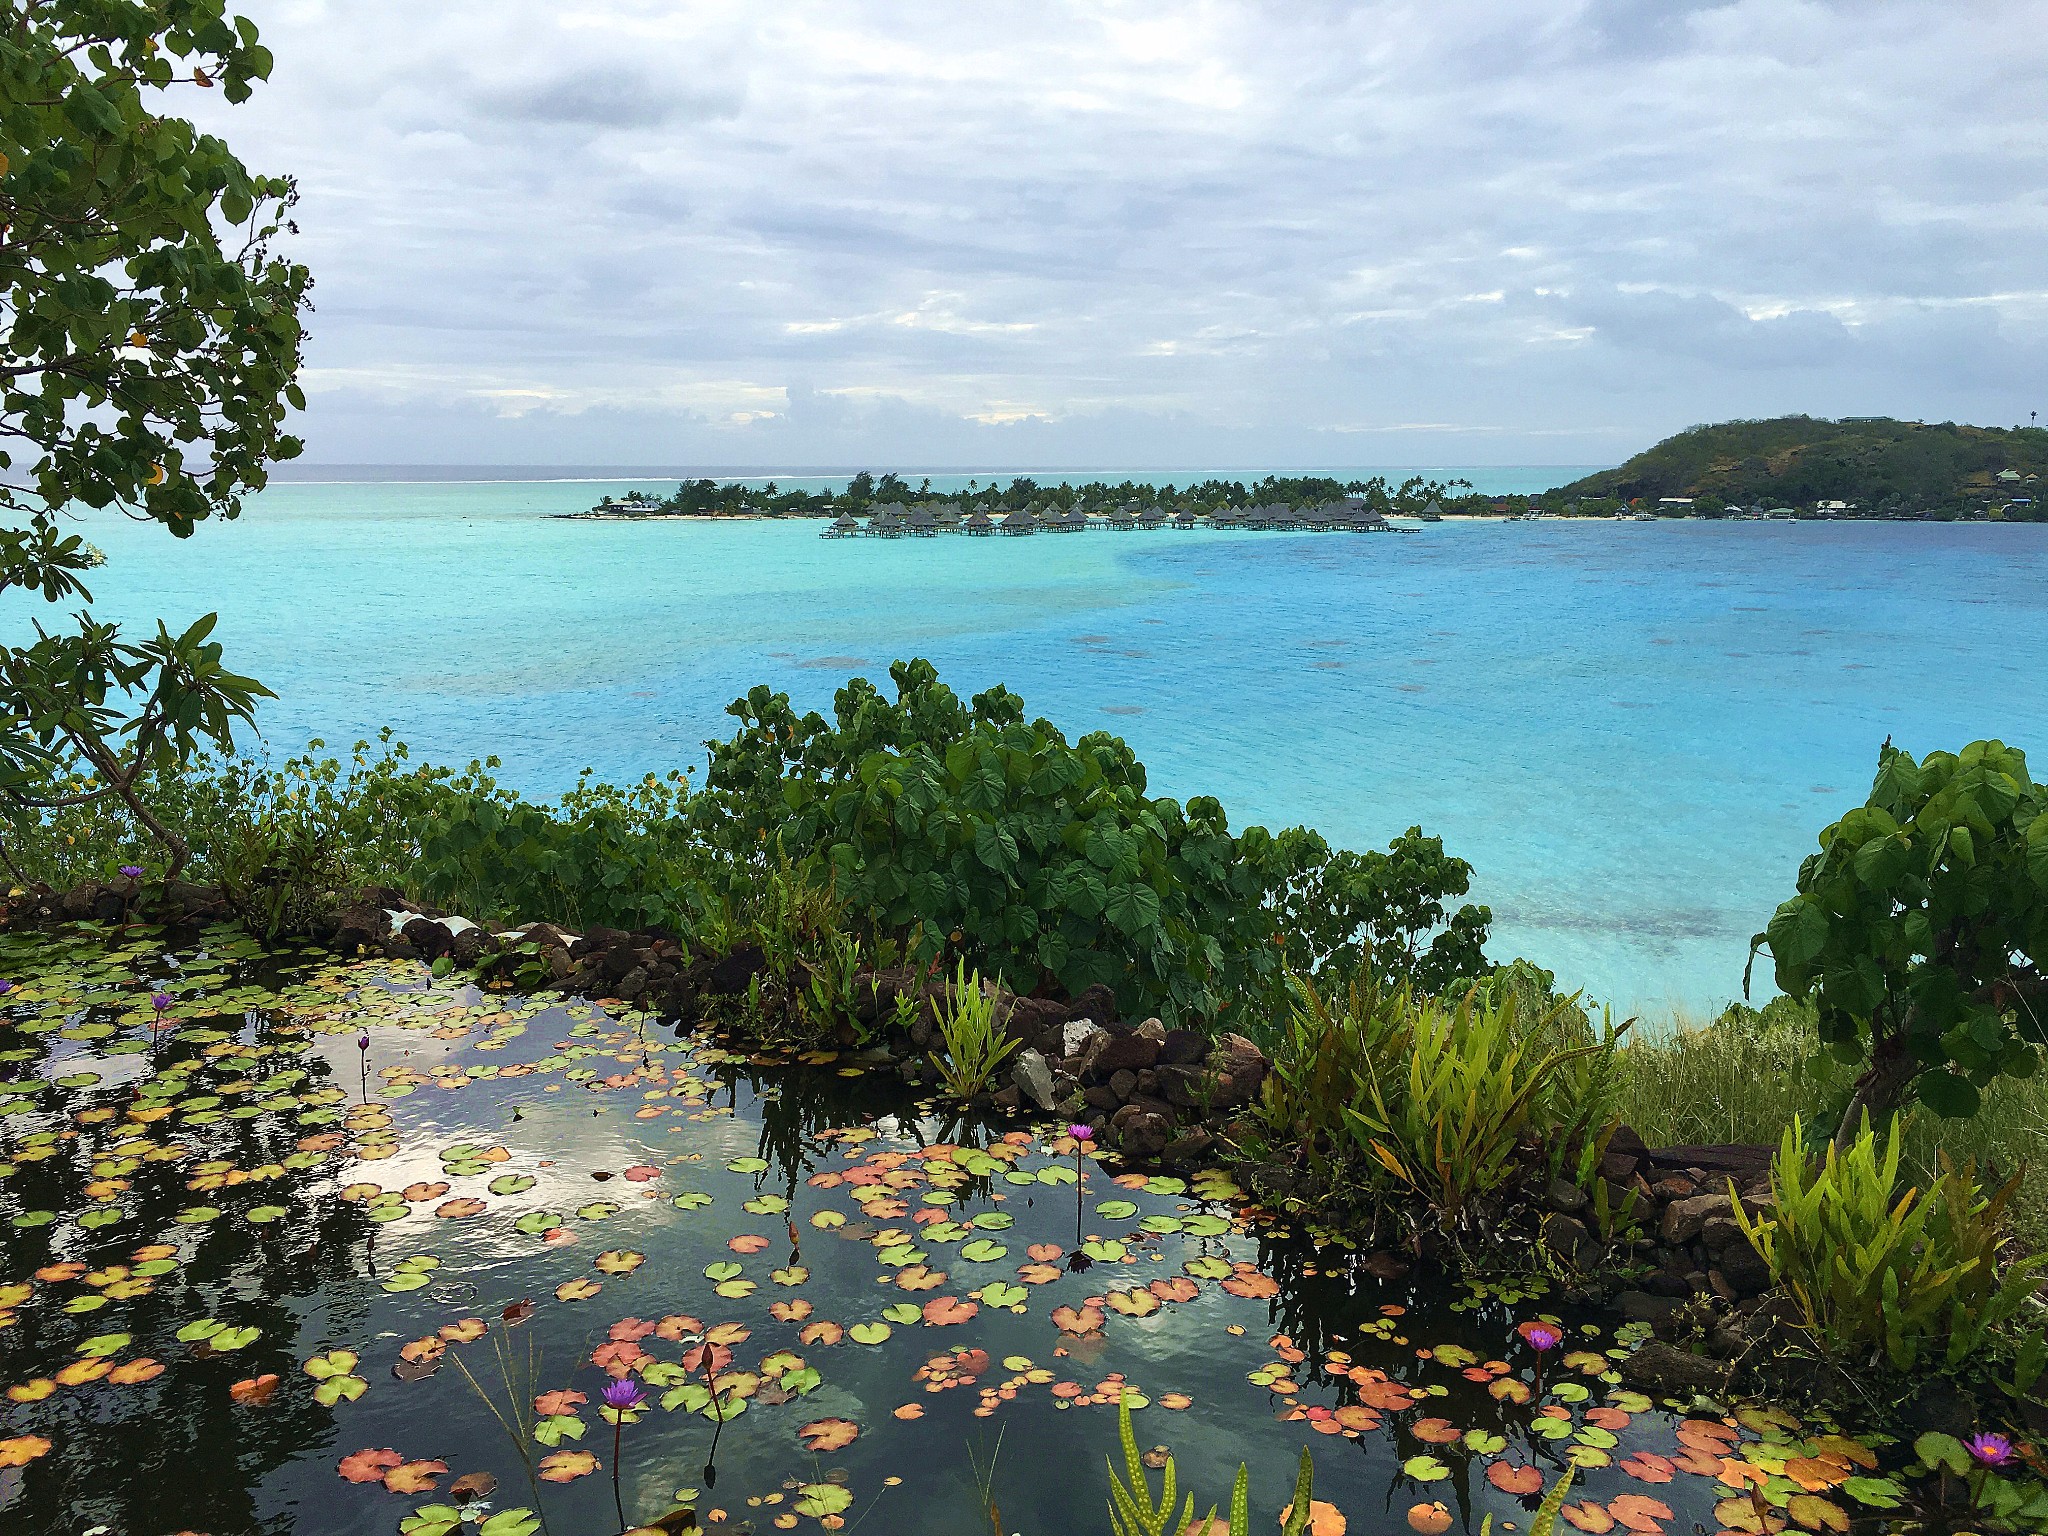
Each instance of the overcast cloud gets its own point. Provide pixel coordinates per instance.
(923, 233)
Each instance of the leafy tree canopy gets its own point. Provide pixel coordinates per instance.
(149, 345)
(1920, 930)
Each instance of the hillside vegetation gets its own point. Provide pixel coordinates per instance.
(1873, 463)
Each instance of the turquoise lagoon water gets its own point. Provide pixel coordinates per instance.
(1632, 730)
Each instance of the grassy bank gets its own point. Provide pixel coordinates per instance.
(1743, 1076)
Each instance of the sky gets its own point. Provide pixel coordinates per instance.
(1042, 234)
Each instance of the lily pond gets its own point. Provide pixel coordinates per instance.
(316, 1245)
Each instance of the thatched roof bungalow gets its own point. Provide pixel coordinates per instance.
(1020, 521)
(978, 522)
(844, 526)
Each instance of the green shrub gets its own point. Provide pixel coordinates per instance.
(1920, 931)
(944, 830)
(961, 828)
(1884, 1274)
(1451, 1090)
(1442, 1096)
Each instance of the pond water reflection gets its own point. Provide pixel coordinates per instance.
(253, 1280)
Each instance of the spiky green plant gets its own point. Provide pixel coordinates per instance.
(975, 1045)
(1883, 1273)
(1135, 1511)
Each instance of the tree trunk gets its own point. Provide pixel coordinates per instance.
(1880, 1091)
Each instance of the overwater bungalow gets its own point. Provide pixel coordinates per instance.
(978, 522)
(1323, 518)
(1431, 513)
(888, 522)
(923, 522)
(1151, 518)
(1121, 520)
(1185, 519)
(1076, 521)
(1020, 521)
(948, 515)
(844, 526)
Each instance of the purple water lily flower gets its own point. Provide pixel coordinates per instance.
(6, 987)
(623, 1395)
(1081, 1132)
(132, 871)
(160, 1001)
(1991, 1450)
(1540, 1337)
(363, 1041)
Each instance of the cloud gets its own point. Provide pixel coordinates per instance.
(866, 229)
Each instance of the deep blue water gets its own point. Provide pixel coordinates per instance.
(1632, 730)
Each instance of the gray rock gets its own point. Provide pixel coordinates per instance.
(1075, 1033)
(1033, 1076)
(1123, 1084)
(1563, 1235)
(1188, 1147)
(1664, 1370)
(1565, 1196)
(1640, 1307)
(1684, 1220)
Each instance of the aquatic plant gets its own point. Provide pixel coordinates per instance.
(1884, 1274)
(1134, 1510)
(622, 1401)
(1918, 929)
(974, 1044)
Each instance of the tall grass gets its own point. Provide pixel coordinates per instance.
(1746, 1075)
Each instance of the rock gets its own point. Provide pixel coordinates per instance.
(1685, 1219)
(362, 926)
(1744, 1269)
(1565, 1196)
(1627, 1142)
(471, 945)
(1237, 1071)
(875, 992)
(1123, 1084)
(1617, 1167)
(430, 938)
(1671, 1283)
(1097, 1003)
(731, 975)
(547, 936)
(1007, 1099)
(1186, 1087)
(1030, 1017)
(1674, 1186)
(1183, 1047)
(1075, 1035)
(633, 984)
(1141, 1135)
(1152, 1029)
(1188, 1147)
(559, 963)
(1564, 1235)
(1101, 1096)
(1664, 1370)
(1719, 1232)
(1127, 1053)
(1640, 1307)
(1033, 1075)
(1086, 1061)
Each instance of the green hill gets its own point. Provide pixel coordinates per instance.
(1872, 462)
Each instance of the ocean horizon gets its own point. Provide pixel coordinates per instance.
(1632, 731)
